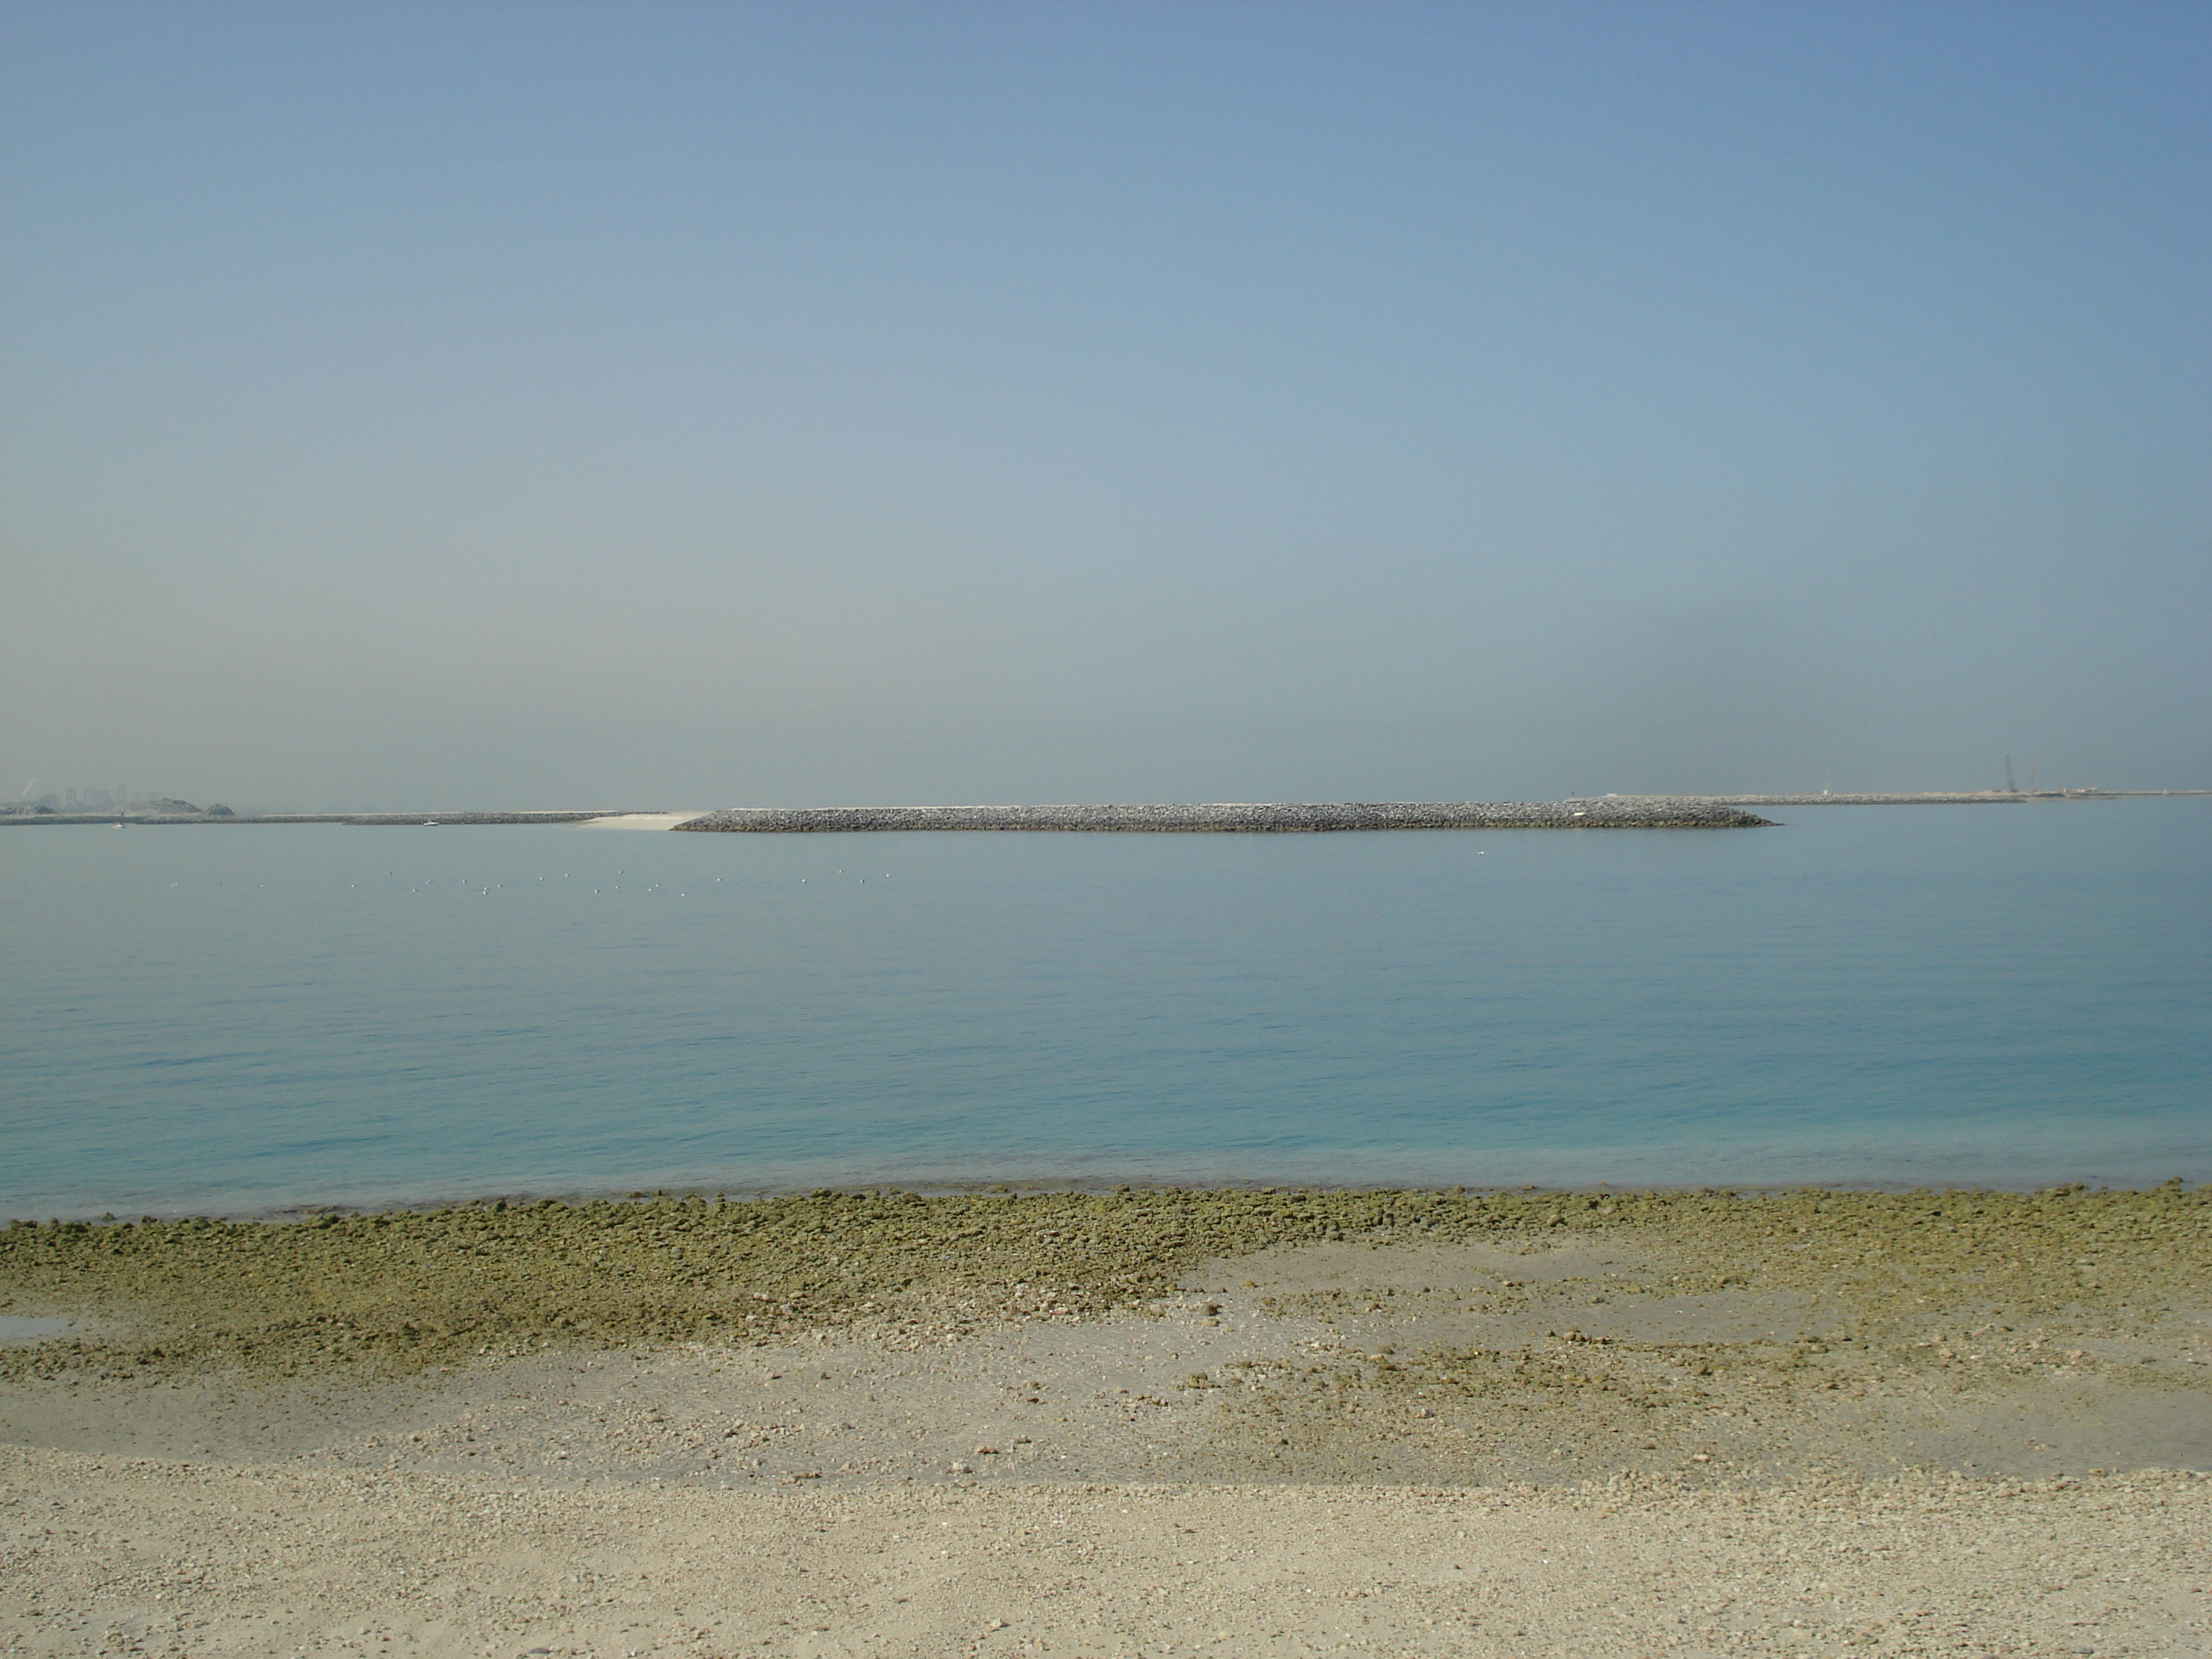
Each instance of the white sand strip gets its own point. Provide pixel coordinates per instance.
(641, 820)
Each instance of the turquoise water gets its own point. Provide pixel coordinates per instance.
(236, 1020)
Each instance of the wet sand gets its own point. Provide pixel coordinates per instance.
(1123, 1423)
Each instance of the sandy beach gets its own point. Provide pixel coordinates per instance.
(1137, 1423)
(641, 820)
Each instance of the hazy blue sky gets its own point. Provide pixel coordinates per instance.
(555, 405)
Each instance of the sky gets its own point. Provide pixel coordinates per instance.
(556, 406)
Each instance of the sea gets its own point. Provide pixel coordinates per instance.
(259, 1019)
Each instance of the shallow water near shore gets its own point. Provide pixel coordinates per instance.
(246, 1019)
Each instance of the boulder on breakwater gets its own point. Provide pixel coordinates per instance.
(1242, 817)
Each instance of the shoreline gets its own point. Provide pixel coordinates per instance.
(1637, 811)
(734, 1193)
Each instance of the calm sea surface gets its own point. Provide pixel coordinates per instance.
(236, 1020)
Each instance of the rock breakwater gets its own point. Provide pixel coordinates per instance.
(1242, 817)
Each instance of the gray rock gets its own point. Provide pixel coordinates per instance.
(1242, 817)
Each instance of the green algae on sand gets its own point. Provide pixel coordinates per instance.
(396, 1292)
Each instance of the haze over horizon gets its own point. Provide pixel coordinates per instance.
(560, 405)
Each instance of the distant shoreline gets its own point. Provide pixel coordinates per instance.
(388, 820)
(1602, 811)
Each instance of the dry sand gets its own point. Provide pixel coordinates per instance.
(641, 820)
(1512, 1437)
